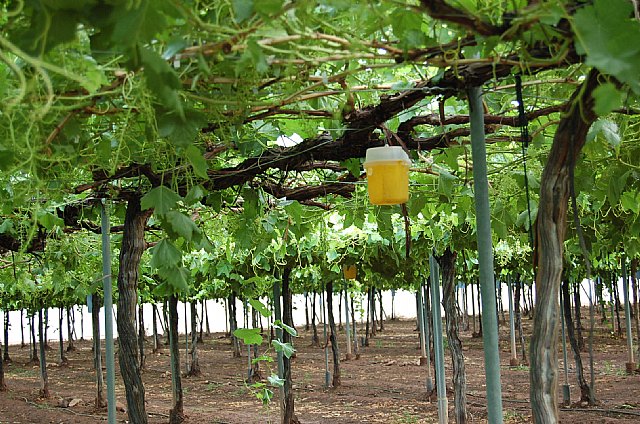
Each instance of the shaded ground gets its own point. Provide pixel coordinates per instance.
(386, 385)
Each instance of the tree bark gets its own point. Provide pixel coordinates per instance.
(96, 304)
(551, 228)
(70, 345)
(289, 416)
(141, 336)
(306, 312)
(44, 376)
(575, 345)
(233, 325)
(3, 385)
(518, 316)
(380, 317)
(202, 315)
(315, 340)
(5, 349)
(447, 263)
(616, 301)
(156, 336)
(63, 359)
(133, 246)
(333, 337)
(578, 306)
(176, 414)
(636, 307)
(194, 366)
(34, 343)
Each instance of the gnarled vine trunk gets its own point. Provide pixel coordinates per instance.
(333, 338)
(551, 228)
(96, 304)
(3, 385)
(44, 376)
(194, 366)
(141, 336)
(447, 263)
(176, 414)
(6, 337)
(63, 359)
(288, 416)
(133, 246)
(575, 344)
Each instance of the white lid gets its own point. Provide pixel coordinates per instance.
(386, 153)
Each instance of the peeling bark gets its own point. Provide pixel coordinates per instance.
(288, 416)
(551, 228)
(176, 414)
(133, 245)
(96, 304)
(575, 344)
(447, 263)
(333, 337)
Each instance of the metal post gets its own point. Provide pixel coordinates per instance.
(566, 391)
(512, 327)
(438, 345)
(427, 337)
(347, 321)
(631, 366)
(485, 258)
(423, 348)
(108, 314)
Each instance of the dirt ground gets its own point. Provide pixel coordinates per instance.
(386, 385)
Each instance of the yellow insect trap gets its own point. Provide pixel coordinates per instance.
(387, 170)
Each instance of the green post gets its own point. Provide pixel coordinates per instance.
(438, 345)
(427, 336)
(423, 347)
(485, 257)
(108, 314)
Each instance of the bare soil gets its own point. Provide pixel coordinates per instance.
(386, 385)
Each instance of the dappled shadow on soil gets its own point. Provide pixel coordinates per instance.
(386, 385)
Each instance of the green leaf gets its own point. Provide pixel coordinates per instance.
(629, 200)
(607, 33)
(242, 9)
(275, 381)
(176, 277)
(180, 225)
(195, 194)
(165, 254)
(259, 306)
(163, 81)
(6, 226)
(446, 183)
(279, 324)
(286, 348)
(353, 166)
(140, 23)
(161, 199)
(607, 98)
(251, 203)
(268, 7)
(249, 336)
(49, 220)
(197, 161)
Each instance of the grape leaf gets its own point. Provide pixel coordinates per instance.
(161, 198)
(249, 336)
